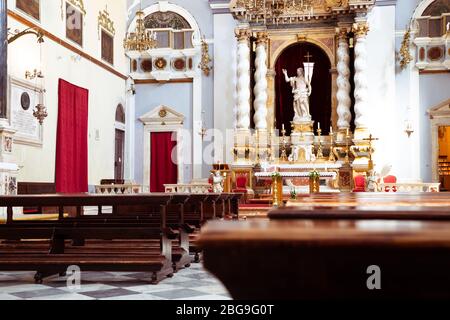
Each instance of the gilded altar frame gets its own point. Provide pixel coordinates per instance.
(279, 40)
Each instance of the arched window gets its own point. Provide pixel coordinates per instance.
(120, 114)
(172, 30)
(435, 19)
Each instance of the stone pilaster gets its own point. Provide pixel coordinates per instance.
(343, 84)
(243, 79)
(361, 93)
(260, 89)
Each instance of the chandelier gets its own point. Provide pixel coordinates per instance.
(141, 39)
(275, 10)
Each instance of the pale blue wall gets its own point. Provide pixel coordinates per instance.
(177, 96)
(434, 89)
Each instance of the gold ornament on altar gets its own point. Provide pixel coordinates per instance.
(405, 53)
(141, 39)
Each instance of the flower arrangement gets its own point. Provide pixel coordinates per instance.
(293, 194)
(276, 175)
(314, 182)
(314, 175)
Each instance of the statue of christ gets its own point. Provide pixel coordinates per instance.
(301, 89)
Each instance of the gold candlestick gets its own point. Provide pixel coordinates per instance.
(284, 156)
(347, 149)
(331, 158)
(371, 139)
(319, 149)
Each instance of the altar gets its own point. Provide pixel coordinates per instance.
(295, 177)
(308, 120)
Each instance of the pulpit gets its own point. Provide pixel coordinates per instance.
(225, 171)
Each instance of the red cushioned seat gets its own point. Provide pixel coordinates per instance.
(390, 179)
(360, 184)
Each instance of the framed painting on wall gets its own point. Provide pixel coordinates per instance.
(74, 24)
(24, 96)
(30, 7)
(107, 47)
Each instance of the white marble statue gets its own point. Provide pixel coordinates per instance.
(218, 182)
(302, 90)
(302, 153)
(293, 157)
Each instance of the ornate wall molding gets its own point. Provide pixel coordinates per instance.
(105, 22)
(78, 4)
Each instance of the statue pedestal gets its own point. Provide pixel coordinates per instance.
(302, 138)
(8, 168)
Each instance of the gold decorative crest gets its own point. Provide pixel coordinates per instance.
(162, 113)
(105, 22)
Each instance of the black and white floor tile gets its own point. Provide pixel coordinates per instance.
(192, 283)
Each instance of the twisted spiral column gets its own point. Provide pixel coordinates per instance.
(343, 82)
(361, 93)
(243, 79)
(260, 89)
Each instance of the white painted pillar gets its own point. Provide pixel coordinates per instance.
(130, 107)
(361, 92)
(243, 81)
(260, 89)
(343, 82)
(197, 142)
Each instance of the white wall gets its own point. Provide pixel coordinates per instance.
(106, 90)
(381, 80)
(225, 76)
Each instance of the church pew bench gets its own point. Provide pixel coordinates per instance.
(159, 201)
(59, 255)
(329, 259)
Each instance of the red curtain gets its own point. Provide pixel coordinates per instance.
(71, 175)
(163, 170)
(320, 100)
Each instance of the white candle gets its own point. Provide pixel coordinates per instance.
(283, 126)
(331, 129)
(318, 125)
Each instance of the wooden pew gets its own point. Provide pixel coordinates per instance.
(323, 247)
(308, 259)
(82, 228)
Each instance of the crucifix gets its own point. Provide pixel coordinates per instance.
(308, 57)
(370, 139)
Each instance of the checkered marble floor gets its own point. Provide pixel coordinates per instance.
(192, 283)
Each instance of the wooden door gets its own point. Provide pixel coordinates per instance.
(119, 155)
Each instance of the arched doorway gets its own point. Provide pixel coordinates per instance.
(320, 101)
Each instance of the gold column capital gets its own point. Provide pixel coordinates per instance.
(262, 37)
(342, 33)
(361, 29)
(242, 34)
